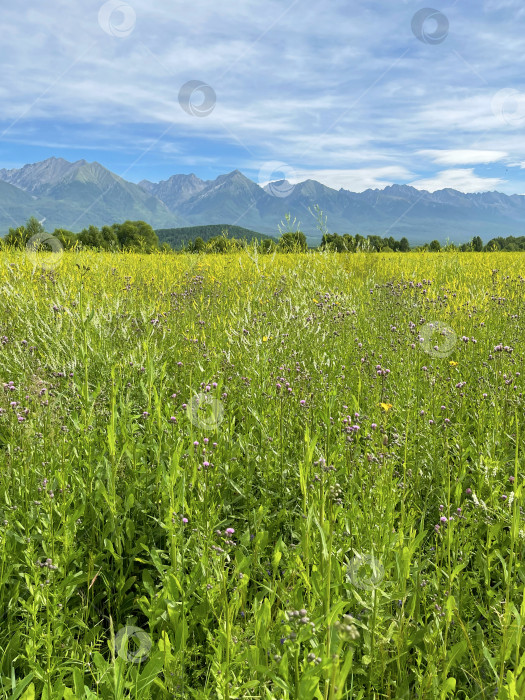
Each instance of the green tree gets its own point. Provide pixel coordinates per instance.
(435, 246)
(67, 238)
(196, 246)
(477, 244)
(333, 242)
(293, 242)
(349, 242)
(90, 237)
(109, 238)
(19, 237)
(217, 244)
(404, 245)
(267, 246)
(136, 235)
(376, 242)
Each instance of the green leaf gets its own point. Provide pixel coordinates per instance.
(150, 672)
(19, 689)
(448, 687)
(455, 655)
(308, 686)
(78, 681)
(29, 693)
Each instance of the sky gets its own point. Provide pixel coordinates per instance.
(356, 95)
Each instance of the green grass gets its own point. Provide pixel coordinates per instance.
(334, 502)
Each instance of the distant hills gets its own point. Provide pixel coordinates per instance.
(180, 237)
(76, 195)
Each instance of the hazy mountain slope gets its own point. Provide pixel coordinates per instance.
(74, 195)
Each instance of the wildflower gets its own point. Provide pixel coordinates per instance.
(386, 406)
(229, 530)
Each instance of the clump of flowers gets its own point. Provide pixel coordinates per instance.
(347, 629)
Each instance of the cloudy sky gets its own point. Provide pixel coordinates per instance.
(355, 94)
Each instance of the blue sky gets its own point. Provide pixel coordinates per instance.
(354, 94)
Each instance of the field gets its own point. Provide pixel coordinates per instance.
(232, 476)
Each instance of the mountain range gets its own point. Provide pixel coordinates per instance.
(75, 195)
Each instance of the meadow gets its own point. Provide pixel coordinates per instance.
(232, 476)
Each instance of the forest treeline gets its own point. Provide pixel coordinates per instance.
(141, 237)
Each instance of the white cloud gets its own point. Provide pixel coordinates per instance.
(356, 180)
(352, 99)
(463, 156)
(462, 179)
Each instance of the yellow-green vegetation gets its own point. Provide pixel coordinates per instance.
(269, 476)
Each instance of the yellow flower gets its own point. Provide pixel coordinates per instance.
(452, 363)
(316, 301)
(265, 338)
(386, 406)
